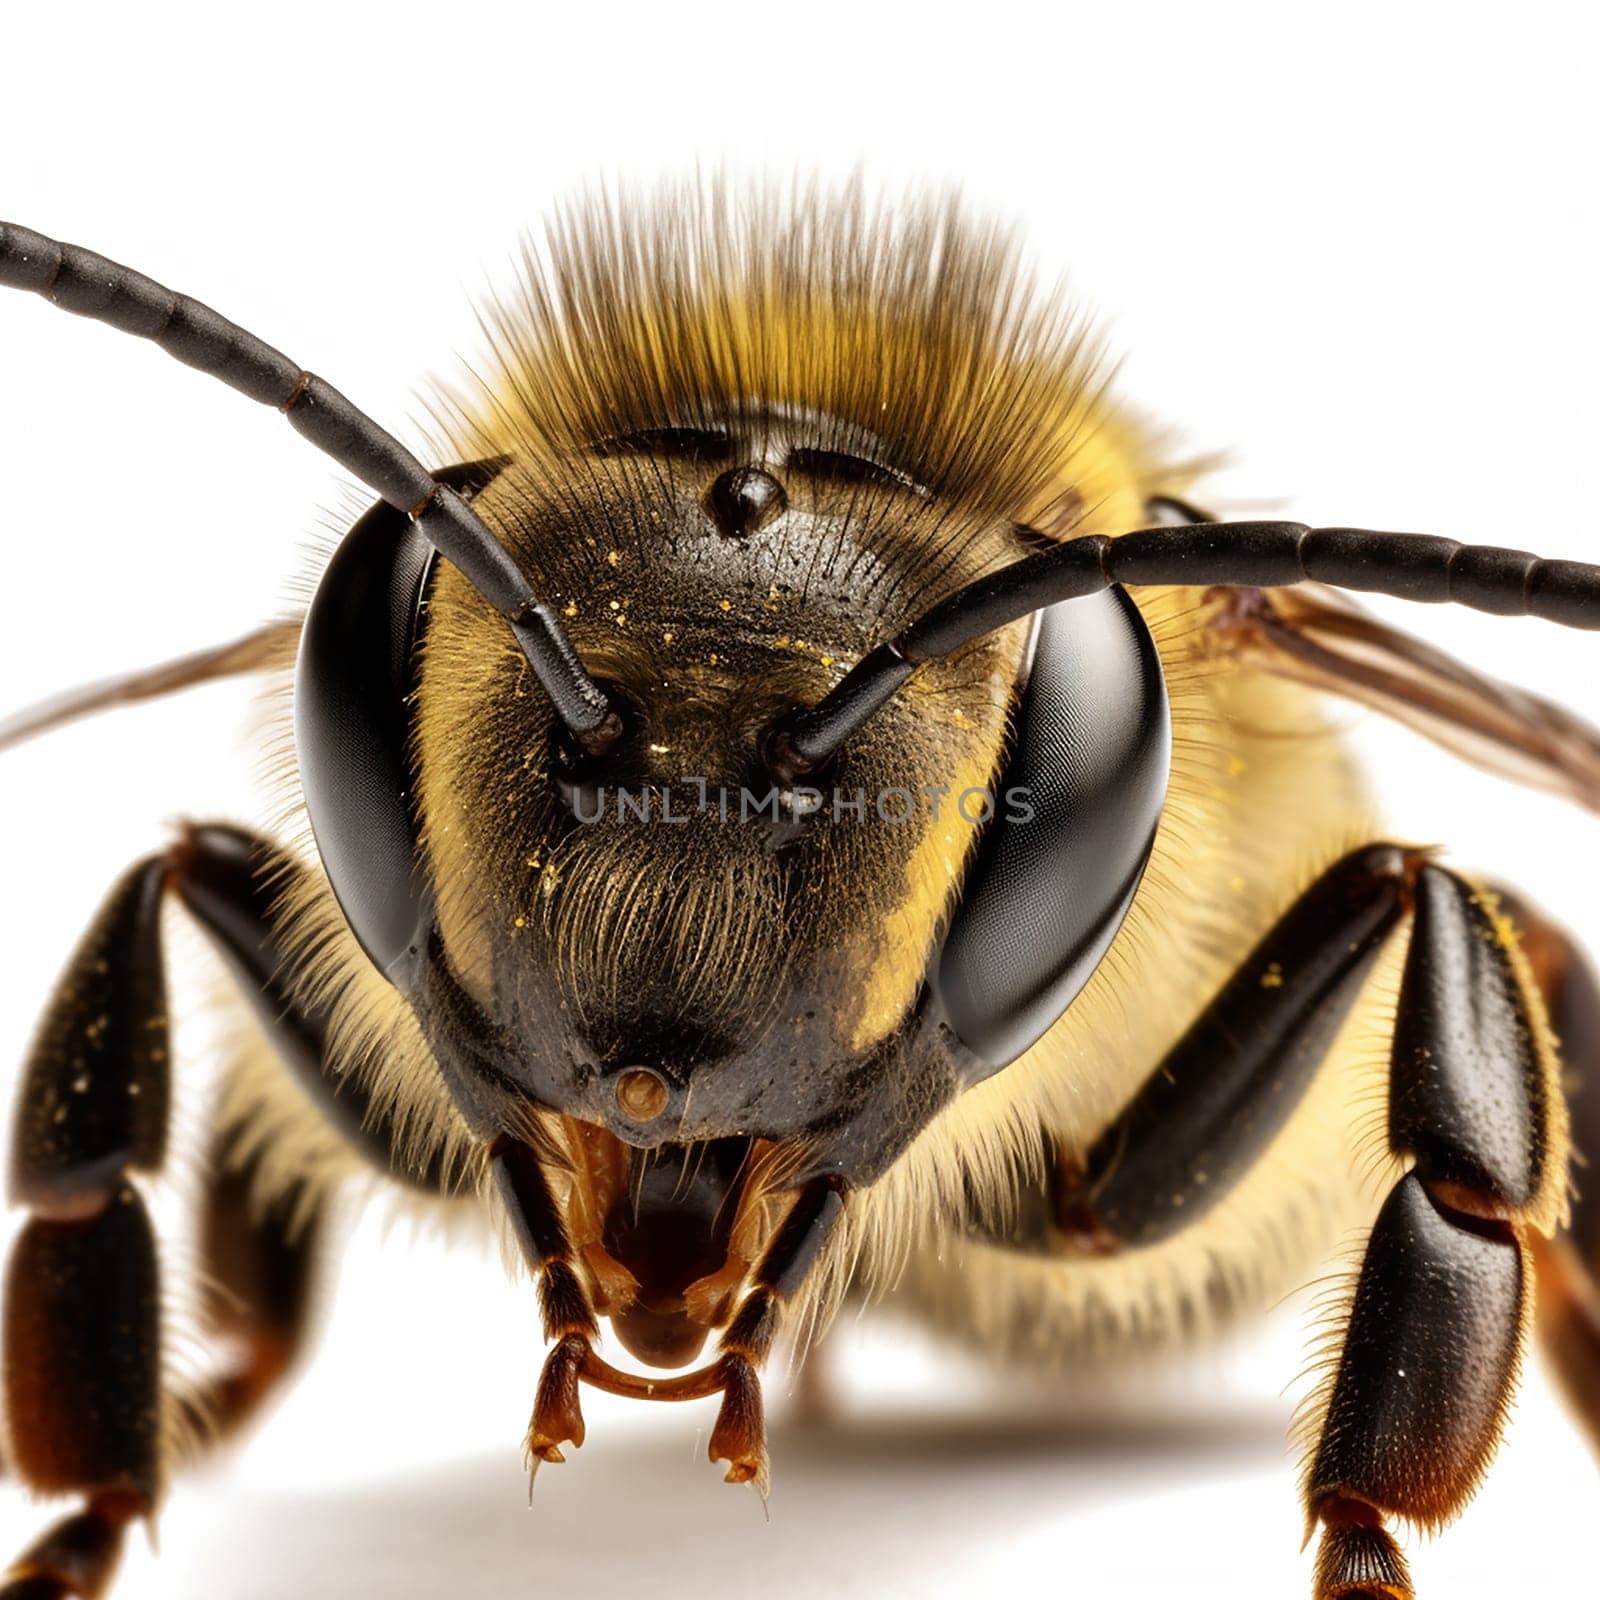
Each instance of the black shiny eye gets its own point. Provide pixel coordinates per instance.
(744, 500)
(688, 444)
(1076, 815)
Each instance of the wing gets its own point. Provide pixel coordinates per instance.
(270, 647)
(1318, 637)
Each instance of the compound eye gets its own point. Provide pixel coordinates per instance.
(744, 501)
(353, 689)
(1055, 875)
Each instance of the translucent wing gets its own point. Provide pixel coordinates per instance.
(270, 646)
(1318, 637)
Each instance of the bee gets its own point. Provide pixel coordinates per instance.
(805, 805)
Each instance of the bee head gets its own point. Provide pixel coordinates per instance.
(677, 941)
(731, 455)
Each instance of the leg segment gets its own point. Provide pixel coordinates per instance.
(1412, 1409)
(81, 1349)
(259, 1271)
(229, 880)
(1568, 1268)
(1417, 1400)
(1227, 1087)
(82, 1364)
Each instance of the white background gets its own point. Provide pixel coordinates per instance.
(1352, 245)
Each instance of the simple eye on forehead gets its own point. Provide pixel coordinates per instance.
(838, 466)
(712, 445)
(689, 444)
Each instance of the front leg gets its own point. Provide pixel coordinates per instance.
(1411, 1412)
(1414, 1408)
(739, 1434)
(88, 1409)
(1228, 1087)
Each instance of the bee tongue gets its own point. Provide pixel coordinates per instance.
(659, 1338)
(670, 1227)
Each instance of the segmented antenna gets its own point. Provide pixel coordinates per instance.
(1261, 555)
(89, 285)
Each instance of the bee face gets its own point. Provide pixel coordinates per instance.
(681, 946)
(678, 1010)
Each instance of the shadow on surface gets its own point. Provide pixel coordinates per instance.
(876, 1506)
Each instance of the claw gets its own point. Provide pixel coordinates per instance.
(740, 1434)
(557, 1415)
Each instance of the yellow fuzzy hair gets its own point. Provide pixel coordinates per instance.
(916, 325)
(1263, 797)
(913, 326)
(909, 333)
